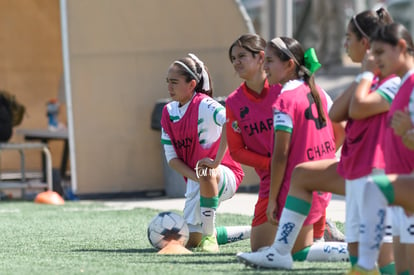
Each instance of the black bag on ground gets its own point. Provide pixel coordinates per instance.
(6, 119)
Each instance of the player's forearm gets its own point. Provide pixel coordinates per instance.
(183, 169)
(250, 158)
(278, 168)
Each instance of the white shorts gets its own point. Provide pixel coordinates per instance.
(354, 200)
(227, 188)
(402, 225)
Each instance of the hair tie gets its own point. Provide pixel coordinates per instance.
(204, 74)
(311, 61)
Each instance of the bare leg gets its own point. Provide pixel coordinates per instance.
(262, 235)
(353, 249)
(305, 238)
(386, 255)
(403, 190)
(194, 240)
(209, 183)
(401, 257)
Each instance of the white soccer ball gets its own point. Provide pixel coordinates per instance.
(167, 226)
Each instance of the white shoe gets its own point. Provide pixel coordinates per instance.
(268, 258)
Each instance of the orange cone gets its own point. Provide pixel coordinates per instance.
(49, 197)
(174, 247)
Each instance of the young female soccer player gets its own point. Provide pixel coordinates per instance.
(303, 132)
(393, 49)
(250, 125)
(192, 125)
(323, 175)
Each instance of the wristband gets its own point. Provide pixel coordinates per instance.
(367, 75)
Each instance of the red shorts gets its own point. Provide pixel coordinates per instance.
(260, 211)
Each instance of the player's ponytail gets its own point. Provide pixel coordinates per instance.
(306, 65)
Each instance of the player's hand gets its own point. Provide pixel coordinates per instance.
(368, 63)
(271, 212)
(401, 122)
(207, 162)
(408, 139)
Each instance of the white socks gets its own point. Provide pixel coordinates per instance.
(290, 225)
(208, 219)
(373, 215)
(230, 234)
(328, 252)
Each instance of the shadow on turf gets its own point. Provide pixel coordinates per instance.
(150, 250)
(131, 250)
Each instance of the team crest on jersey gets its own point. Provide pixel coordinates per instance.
(235, 127)
(244, 111)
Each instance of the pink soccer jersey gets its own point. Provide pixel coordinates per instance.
(184, 138)
(398, 158)
(254, 122)
(295, 112)
(362, 150)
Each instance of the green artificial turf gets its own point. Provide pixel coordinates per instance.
(92, 238)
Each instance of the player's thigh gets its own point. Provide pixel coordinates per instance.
(318, 175)
(262, 235)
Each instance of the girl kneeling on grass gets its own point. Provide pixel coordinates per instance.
(192, 125)
(364, 106)
(303, 132)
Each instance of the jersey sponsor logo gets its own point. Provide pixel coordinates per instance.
(183, 143)
(321, 150)
(259, 127)
(309, 115)
(244, 111)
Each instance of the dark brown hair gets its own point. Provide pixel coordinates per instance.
(251, 42)
(301, 71)
(365, 23)
(197, 70)
(392, 33)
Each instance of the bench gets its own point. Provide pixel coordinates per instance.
(23, 183)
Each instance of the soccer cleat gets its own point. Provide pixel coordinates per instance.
(209, 244)
(267, 258)
(332, 233)
(357, 270)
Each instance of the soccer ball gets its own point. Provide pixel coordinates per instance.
(167, 226)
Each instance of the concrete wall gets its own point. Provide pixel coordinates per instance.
(30, 66)
(119, 55)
